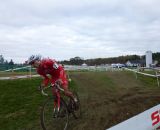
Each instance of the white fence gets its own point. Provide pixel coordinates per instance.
(18, 76)
(82, 68)
(16, 69)
(67, 67)
(151, 75)
(87, 68)
(156, 75)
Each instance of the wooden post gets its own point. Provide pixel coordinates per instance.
(30, 72)
(157, 79)
(136, 75)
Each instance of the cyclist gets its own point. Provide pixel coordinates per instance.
(56, 72)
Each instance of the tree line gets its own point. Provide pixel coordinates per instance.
(5, 62)
(99, 61)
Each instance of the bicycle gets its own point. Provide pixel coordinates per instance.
(57, 109)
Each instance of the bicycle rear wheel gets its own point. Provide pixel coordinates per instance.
(48, 119)
(76, 109)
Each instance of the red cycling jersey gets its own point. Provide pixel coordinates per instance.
(55, 70)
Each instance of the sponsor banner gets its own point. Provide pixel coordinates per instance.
(148, 120)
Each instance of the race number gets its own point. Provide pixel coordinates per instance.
(55, 66)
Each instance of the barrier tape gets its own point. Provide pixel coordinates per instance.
(16, 69)
(19, 77)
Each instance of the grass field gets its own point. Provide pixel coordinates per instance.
(6, 74)
(107, 98)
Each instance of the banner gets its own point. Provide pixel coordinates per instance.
(148, 120)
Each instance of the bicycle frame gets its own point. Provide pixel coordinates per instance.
(57, 94)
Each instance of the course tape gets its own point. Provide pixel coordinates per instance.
(16, 69)
(18, 77)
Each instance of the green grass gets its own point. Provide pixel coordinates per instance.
(6, 74)
(105, 98)
(20, 102)
(148, 81)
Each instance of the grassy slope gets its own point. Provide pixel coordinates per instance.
(20, 104)
(107, 98)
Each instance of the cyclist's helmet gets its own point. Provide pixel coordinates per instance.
(33, 58)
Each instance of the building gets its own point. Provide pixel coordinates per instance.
(132, 63)
(118, 65)
(84, 64)
(135, 63)
(149, 61)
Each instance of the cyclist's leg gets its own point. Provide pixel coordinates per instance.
(57, 94)
(64, 85)
(67, 92)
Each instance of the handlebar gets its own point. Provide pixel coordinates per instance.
(42, 91)
(56, 85)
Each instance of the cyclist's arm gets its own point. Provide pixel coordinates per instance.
(45, 81)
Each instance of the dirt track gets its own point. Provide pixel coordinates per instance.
(111, 97)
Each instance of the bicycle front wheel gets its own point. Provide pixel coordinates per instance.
(54, 120)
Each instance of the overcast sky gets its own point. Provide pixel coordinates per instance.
(62, 29)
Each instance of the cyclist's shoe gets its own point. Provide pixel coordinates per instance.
(55, 113)
(62, 113)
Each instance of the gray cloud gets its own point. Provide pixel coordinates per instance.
(61, 30)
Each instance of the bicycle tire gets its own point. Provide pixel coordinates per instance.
(77, 113)
(48, 122)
